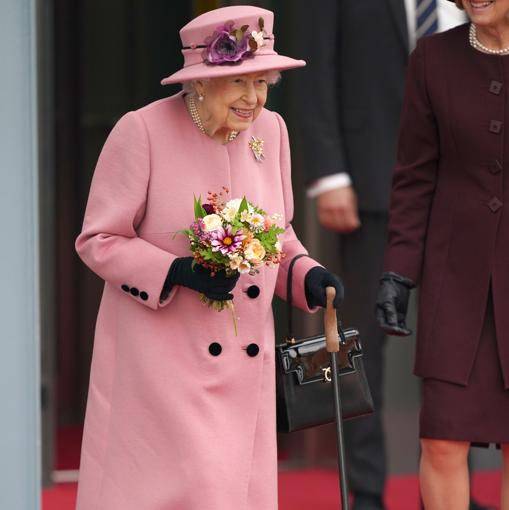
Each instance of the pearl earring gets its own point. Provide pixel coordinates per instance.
(200, 97)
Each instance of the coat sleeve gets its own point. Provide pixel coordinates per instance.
(319, 124)
(109, 244)
(415, 174)
(290, 244)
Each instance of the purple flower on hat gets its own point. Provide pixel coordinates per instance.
(223, 46)
(225, 241)
(229, 45)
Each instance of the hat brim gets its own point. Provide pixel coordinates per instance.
(257, 64)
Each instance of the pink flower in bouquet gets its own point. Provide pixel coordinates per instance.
(225, 241)
(197, 227)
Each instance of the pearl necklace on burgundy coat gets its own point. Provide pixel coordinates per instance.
(475, 43)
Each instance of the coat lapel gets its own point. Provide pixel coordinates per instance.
(399, 15)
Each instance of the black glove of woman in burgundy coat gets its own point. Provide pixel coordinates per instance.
(392, 303)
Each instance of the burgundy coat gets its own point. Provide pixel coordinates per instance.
(449, 222)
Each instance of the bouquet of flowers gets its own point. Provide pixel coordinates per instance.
(234, 236)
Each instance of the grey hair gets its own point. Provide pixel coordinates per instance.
(188, 86)
(273, 77)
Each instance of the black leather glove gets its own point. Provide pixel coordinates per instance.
(392, 303)
(217, 287)
(315, 282)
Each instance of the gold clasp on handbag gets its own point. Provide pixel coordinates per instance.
(290, 340)
(327, 374)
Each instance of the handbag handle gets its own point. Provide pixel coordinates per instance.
(330, 310)
(290, 339)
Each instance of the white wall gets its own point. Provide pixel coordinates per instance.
(19, 301)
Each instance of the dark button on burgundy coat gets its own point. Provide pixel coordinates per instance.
(449, 219)
(495, 87)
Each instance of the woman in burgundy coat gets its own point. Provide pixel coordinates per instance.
(449, 233)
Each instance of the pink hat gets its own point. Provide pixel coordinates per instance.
(229, 41)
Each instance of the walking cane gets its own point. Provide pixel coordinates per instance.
(332, 341)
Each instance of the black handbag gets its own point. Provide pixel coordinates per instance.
(303, 377)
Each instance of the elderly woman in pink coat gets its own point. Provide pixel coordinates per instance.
(181, 410)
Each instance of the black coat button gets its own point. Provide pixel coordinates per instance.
(143, 295)
(495, 87)
(495, 126)
(252, 350)
(253, 291)
(125, 288)
(134, 291)
(495, 204)
(215, 349)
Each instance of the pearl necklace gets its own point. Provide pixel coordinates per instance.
(191, 106)
(474, 42)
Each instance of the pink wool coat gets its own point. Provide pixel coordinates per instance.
(170, 426)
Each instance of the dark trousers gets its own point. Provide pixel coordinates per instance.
(361, 260)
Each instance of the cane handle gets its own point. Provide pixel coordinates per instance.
(331, 322)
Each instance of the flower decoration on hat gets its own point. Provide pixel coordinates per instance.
(230, 45)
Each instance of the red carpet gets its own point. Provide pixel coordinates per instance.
(316, 490)
(298, 490)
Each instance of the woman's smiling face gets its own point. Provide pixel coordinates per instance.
(490, 13)
(232, 103)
